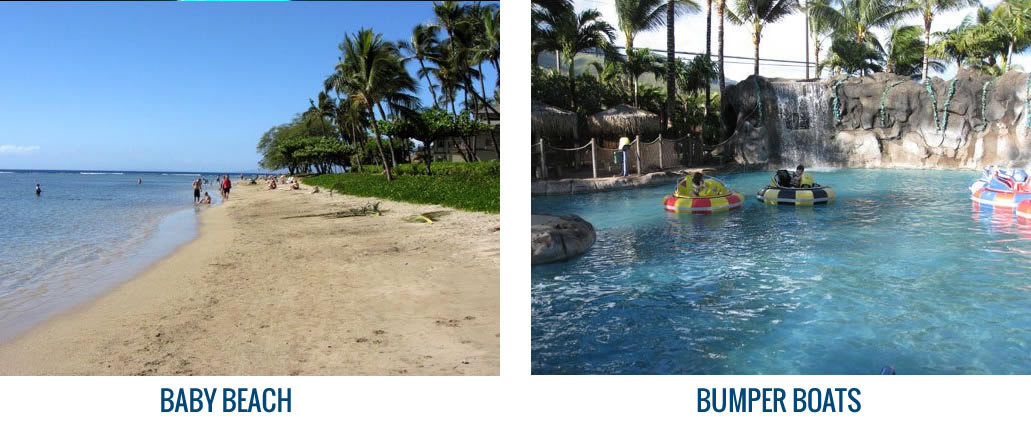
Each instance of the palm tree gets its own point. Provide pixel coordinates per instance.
(321, 111)
(422, 46)
(639, 62)
(488, 49)
(819, 29)
(905, 53)
(364, 74)
(1010, 19)
(855, 19)
(636, 16)
(853, 57)
(721, 8)
(928, 9)
(571, 34)
(758, 14)
(955, 43)
(538, 9)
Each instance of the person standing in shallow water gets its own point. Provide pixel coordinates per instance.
(226, 185)
(196, 190)
(38, 190)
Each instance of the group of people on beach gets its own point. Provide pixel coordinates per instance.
(272, 182)
(224, 186)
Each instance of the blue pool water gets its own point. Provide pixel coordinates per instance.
(900, 270)
(87, 232)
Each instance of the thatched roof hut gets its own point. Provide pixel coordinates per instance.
(624, 120)
(551, 121)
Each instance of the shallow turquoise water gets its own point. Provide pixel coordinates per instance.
(86, 233)
(900, 270)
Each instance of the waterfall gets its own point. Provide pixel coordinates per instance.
(805, 123)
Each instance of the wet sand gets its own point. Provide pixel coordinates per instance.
(262, 291)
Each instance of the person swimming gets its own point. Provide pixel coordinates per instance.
(38, 190)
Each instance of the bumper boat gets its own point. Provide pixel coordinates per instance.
(697, 205)
(780, 192)
(1000, 188)
(720, 199)
(1024, 210)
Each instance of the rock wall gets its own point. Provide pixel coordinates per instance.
(980, 120)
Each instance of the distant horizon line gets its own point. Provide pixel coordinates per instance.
(124, 171)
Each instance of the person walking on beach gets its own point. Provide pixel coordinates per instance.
(38, 190)
(196, 191)
(226, 185)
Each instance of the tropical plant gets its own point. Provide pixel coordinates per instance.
(572, 33)
(422, 47)
(904, 53)
(1011, 20)
(855, 19)
(757, 14)
(852, 57)
(928, 9)
(371, 72)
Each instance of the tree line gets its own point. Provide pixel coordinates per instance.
(841, 31)
(368, 111)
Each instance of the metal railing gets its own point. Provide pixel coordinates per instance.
(657, 155)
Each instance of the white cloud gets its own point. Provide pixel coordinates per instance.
(15, 149)
(784, 40)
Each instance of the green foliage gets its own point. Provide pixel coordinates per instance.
(551, 88)
(464, 188)
(491, 168)
(853, 57)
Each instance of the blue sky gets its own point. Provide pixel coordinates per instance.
(169, 86)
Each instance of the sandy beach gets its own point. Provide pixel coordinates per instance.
(274, 286)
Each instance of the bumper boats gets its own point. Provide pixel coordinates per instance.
(780, 192)
(999, 188)
(683, 202)
(1024, 210)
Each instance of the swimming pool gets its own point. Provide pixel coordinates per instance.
(902, 269)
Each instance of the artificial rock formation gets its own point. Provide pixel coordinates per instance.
(558, 238)
(881, 121)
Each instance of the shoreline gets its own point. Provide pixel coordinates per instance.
(143, 248)
(258, 293)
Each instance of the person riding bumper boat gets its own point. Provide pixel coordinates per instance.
(797, 189)
(701, 195)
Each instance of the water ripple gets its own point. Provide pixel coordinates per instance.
(900, 270)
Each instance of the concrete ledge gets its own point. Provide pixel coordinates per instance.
(590, 185)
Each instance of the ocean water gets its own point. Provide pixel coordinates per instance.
(902, 270)
(86, 233)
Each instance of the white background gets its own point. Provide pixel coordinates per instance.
(515, 400)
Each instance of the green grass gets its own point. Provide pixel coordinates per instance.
(471, 188)
(442, 168)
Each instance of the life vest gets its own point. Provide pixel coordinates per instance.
(806, 180)
(708, 188)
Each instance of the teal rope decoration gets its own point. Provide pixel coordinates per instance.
(836, 106)
(934, 101)
(758, 101)
(948, 102)
(984, 102)
(884, 97)
(1027, 103)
